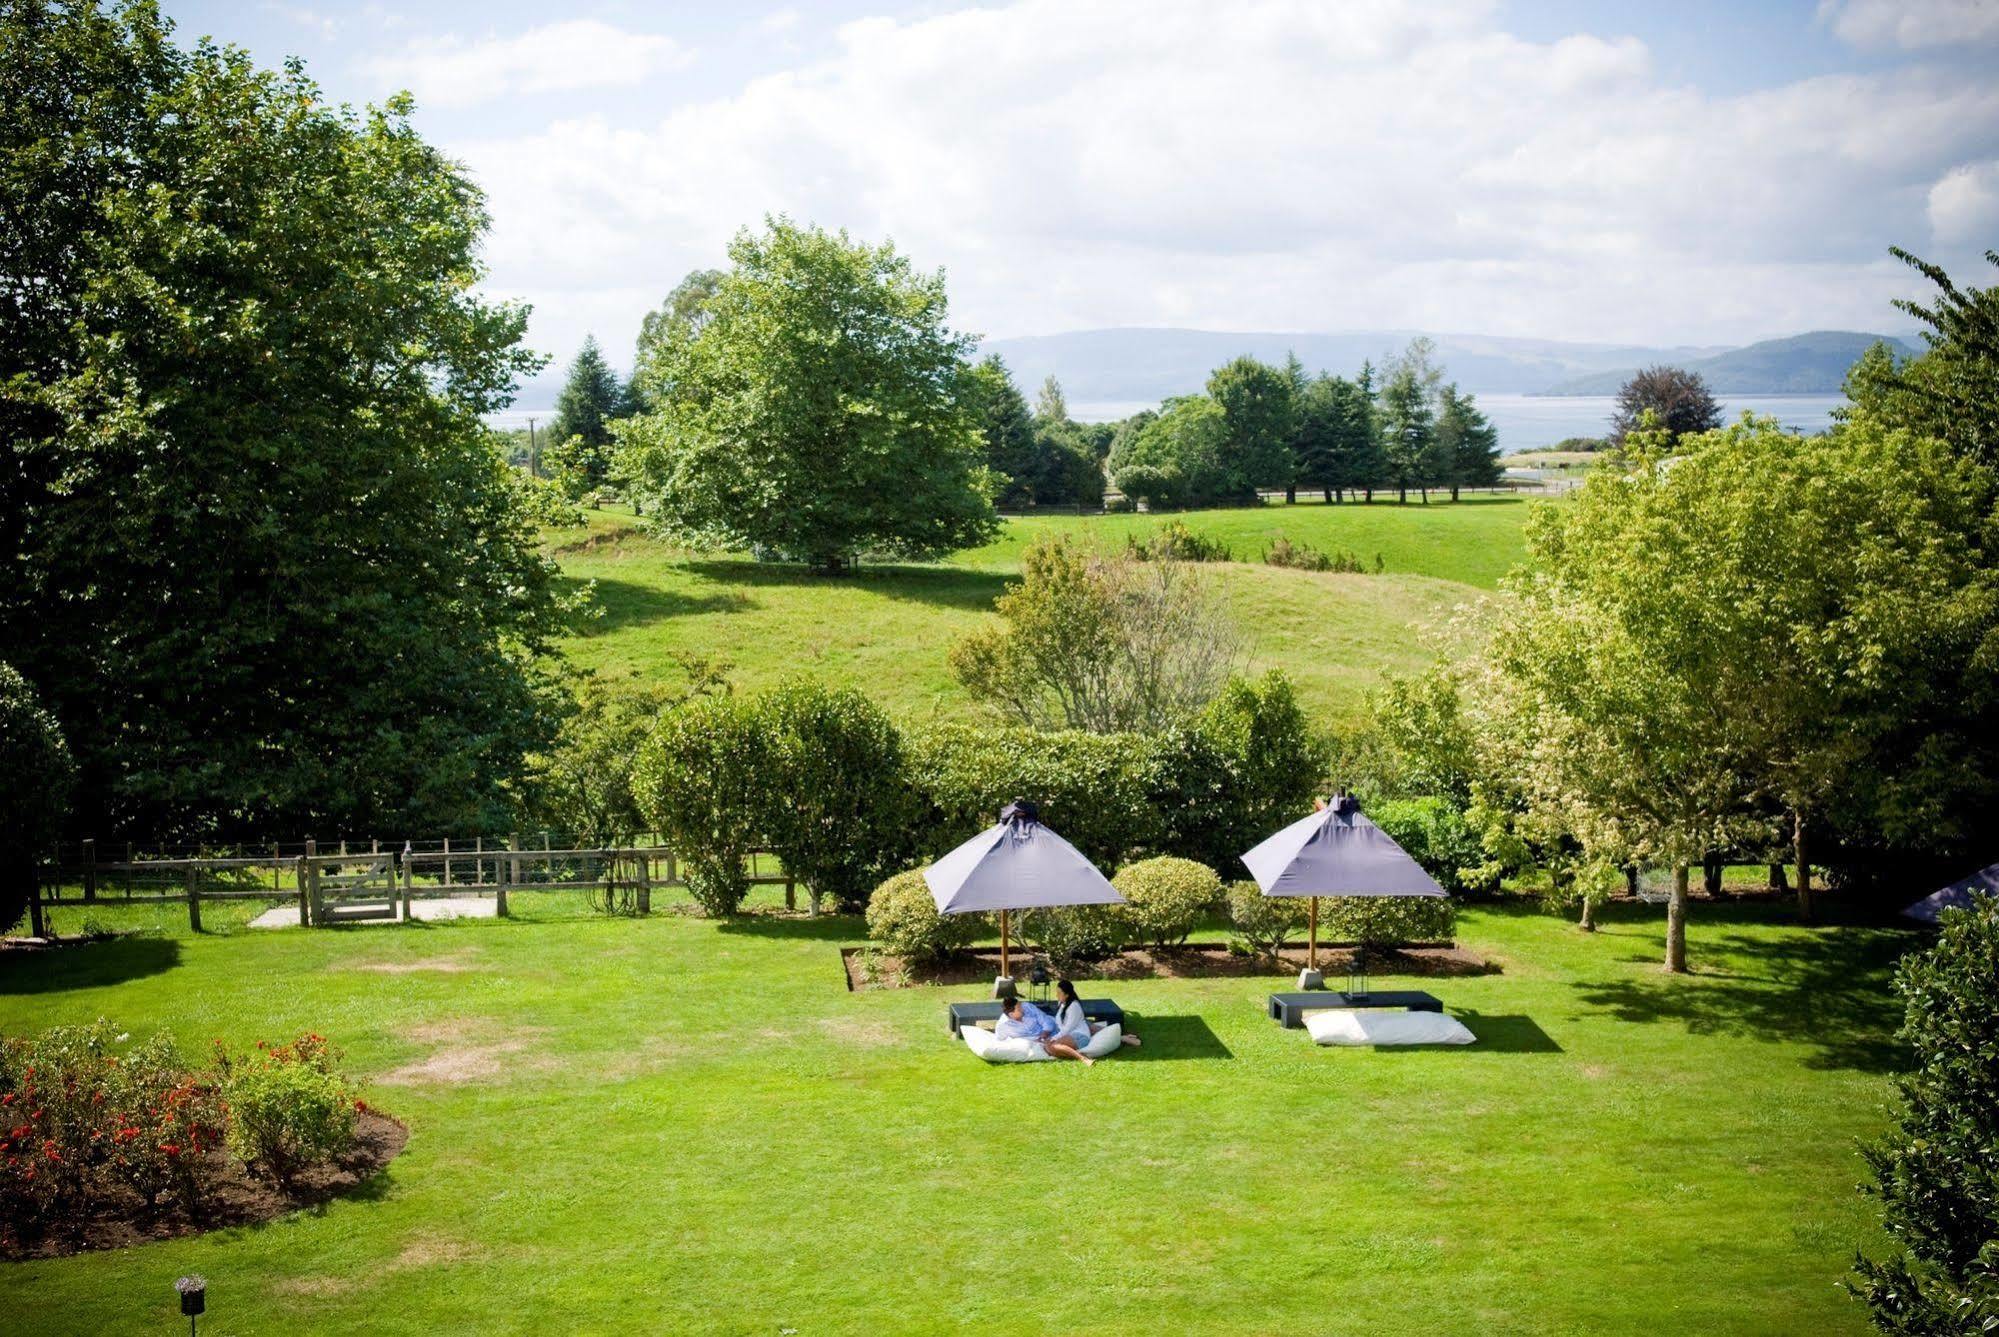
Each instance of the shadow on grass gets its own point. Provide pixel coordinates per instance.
(824, 928)
(630, 603)
(1829, 989)
(1173, 1038)
(1508, 1034)
(941, 586)
(87, 965)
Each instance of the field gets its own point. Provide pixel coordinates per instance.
(680, 1125)
(888, 629)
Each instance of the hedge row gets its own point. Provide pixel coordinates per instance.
(823, 778)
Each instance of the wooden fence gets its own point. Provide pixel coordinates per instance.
(376, 879)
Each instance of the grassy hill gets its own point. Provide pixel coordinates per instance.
(1814, 363)
(887, 629)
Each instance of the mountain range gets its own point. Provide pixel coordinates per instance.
(1144, 365)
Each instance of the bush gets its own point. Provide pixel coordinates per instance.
(289, 1108)
(35, 777)
(1245, 767)
(1437, 836)
(163, 1119)
(1153, 487)
(1074, 935)
(1387, 920)
(703, 781)
(1305, 557)
(1264, 925)
(1174, 542)
(903, 921)
(1934, 1171)
(1165, 898)
(840, 814)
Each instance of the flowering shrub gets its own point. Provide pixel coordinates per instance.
(1165, 898)
(1264, 925)
(163, 1123)
(289, 1107)
(53, 1093)
(903, 920)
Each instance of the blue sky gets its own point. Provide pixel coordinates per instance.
(1688, 173)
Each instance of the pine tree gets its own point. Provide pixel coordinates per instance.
(590, 400)
(1467, 443)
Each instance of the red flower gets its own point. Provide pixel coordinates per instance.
(7, 1099)
(361, 1105)
(170, 1149)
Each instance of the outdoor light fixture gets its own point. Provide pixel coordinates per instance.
(1038, 981)
(193, 1298)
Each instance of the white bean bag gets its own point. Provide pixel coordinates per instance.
(1104, 1041)
(1380, 1026)
(995, 1050)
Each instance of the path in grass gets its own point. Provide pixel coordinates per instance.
(888, 629)
(678, 1125)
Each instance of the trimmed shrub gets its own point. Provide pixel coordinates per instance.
(1165, 898)
(840, 814)
(703, 781)
(1247, 765)
(289, 1108)
(1075, 935)
(1387, 920)
(903, 921)
(1264, 925)
(1436, 834)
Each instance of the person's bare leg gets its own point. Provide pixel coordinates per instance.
(1131, 1040)
(1063, 1049)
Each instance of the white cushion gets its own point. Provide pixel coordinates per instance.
(1104, 1041)
(1380, 1026)
(994, 1050)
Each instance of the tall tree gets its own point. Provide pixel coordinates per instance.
(1951, 392)
(591, 399)
(823, 411)
(1466, 441)
(268, 569)
(1049, 404)
(1332, 438)
(1255, 400)
(35, 777)
(1678, 400)
(1177, 458)
(1008, 429)
(685, 309)
(1408, 430)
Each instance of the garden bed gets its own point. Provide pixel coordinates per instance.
(866, 970)
(120, 1220)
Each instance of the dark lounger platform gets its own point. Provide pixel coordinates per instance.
(1094, 1009)
(1290, 1008)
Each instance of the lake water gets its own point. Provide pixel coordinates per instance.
(1525, 422)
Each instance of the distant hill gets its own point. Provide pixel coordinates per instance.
(1147, 364)
(1804, 364)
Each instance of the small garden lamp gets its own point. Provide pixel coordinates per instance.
(1038, 980)
(193, 1299)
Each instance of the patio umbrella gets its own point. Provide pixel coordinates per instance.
(1956, 896)
(1017, 865)
(1336, 852)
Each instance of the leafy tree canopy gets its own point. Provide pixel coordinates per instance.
(268, 567)
(1678, 399)
(1951, 392)
(591, 399)
(1257, 411)
(823, 411)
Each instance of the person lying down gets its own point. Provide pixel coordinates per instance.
(1063, 1035)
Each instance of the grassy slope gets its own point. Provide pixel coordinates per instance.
(888, 629)
(688, 1126)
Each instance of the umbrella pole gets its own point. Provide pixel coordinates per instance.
(1312, 951)
(1005, 969)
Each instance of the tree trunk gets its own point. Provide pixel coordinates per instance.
(1401, 496)
(1291, 494)
(1454, 492)
(1711, 872)
(1370, 497)
(1631, 881)
(1804, 868)
(1778, 882)
(1426, 494)
(1588, 922)
(1329, 494)
(1676, 922)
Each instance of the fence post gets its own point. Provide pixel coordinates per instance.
(409, 876)
(37, 925)
(193, 897)
(479, 860)
(513, 878)
(645, 885)
(278, 868)
(304, 901)
(312, 880)
(447, 861)
(89, 870)
(791, 895)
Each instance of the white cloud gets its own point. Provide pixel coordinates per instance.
(1292, 166)
(319, 23)
(580, 53)
(1964, 205)
(1911, 24)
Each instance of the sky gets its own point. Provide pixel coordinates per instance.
(1689, 173)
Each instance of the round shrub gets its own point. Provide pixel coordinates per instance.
(703, 780)
(1165, 898)
(903, 921)
(1264, 925)
(1074, 935)
(288, 1109)
(1387, 920)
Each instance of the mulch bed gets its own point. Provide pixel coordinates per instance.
(234, 1198)
(1197, 961)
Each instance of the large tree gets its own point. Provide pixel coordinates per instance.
(591, 399)
(1178, 457)
(1466, 442)
(1256, 403)
(685, 309)
(1037, 460)
(35, 777)
(1951, 392)
(823, 411)
(267, 567)
(1333, 446)
(1408, 431)
(1677, 399)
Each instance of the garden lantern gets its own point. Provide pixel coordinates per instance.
(193, 1298)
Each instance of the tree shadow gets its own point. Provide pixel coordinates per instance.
(630, 603)
(803, 927)
(1508, 1034)
(1173, 1038)
(939, 586)
(87, 965)
(1828, 989)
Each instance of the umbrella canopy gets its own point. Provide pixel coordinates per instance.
(1017, 865)
(1337, 852)
(1956, 896)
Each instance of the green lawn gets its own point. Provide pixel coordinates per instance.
(887, 629)
(676, 1125)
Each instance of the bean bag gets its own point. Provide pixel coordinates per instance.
(1381, 1026)
(995, 1050)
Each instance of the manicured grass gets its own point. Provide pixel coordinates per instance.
(675, 1125)
(888, 629)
